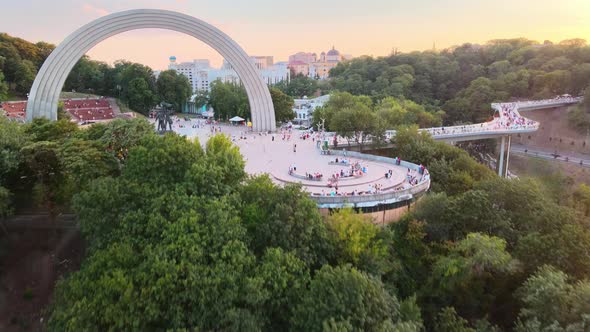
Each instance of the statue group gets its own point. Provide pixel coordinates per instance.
(163, 118)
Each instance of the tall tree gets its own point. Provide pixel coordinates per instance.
(283, 105)
(3, 87)
(229, 100)
(344, 298)
(139, 96)
(173, 88)
(25, 75)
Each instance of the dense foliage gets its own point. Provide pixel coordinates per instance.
(179, 237)
(19, 62)
(230, 99)
(357, 118)
(299, 86)
(464, 80)
(133, 83)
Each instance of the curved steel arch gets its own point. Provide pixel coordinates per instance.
(45, 91)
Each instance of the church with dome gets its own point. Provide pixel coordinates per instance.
(309, 64)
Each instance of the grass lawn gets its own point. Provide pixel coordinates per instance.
(72, 95)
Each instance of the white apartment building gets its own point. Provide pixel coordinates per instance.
(305, 107)
(200, 73)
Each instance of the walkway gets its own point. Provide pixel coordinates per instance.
(507, 121)
(274, 157)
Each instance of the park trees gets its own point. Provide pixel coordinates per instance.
(283, 105)
(397, 113)
(345, 298)
(284, 218)
(88, 76)
(173, 88)
(42, 160)
(3, 86)
(229, 100)
(552, 303)
(358, 242)
(298, 86)
(139, 96)
(24, 76)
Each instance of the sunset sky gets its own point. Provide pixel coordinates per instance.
(281, 28)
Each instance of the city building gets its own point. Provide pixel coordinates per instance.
(303, 57)
(305, 107)
(201, 75)
(299, 68)
(309, 64)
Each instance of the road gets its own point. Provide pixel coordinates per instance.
(577, 159)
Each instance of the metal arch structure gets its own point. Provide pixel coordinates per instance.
(47, 86)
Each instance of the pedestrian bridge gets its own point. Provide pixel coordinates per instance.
(507, 121)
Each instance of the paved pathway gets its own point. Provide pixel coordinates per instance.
(263, 155)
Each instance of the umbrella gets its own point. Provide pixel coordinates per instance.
(236, 119)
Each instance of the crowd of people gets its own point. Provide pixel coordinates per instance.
(315, 176)
(510, 118)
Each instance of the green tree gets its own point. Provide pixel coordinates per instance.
(298, 86)
(174, 89)
(3, 87)
(85, 161)
(5, 202)
(201, 98)
(229, 100)
(470, 277)
(551, 303)
(42, 129)
(285, 218)
(448, 321)
(11, 60)
(12, 139)
(283, 105)
(43, 162)
(198, 275)
(25, 75)
(220, 172)
(285, 279)
(582, 199)
(357, 239)
(161, 162)
(120, 135)
(139, 96)
(343, 295)
(357, 124)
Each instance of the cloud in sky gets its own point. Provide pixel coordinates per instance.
(96, 11)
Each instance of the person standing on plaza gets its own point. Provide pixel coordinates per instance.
(294, 147)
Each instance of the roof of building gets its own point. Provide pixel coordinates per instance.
(333, 51)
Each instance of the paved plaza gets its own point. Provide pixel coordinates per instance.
(263, 155)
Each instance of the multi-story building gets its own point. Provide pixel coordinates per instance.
(299, 68)
(305, 107)
(303, 57)
(200, 73)
(309, 64)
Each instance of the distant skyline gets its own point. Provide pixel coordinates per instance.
(265, 27)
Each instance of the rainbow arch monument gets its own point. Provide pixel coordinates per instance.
(47, 86)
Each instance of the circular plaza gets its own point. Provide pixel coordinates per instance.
(333, 178)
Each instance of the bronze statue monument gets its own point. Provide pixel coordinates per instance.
(163, 118)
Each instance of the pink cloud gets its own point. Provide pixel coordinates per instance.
(90, 9)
